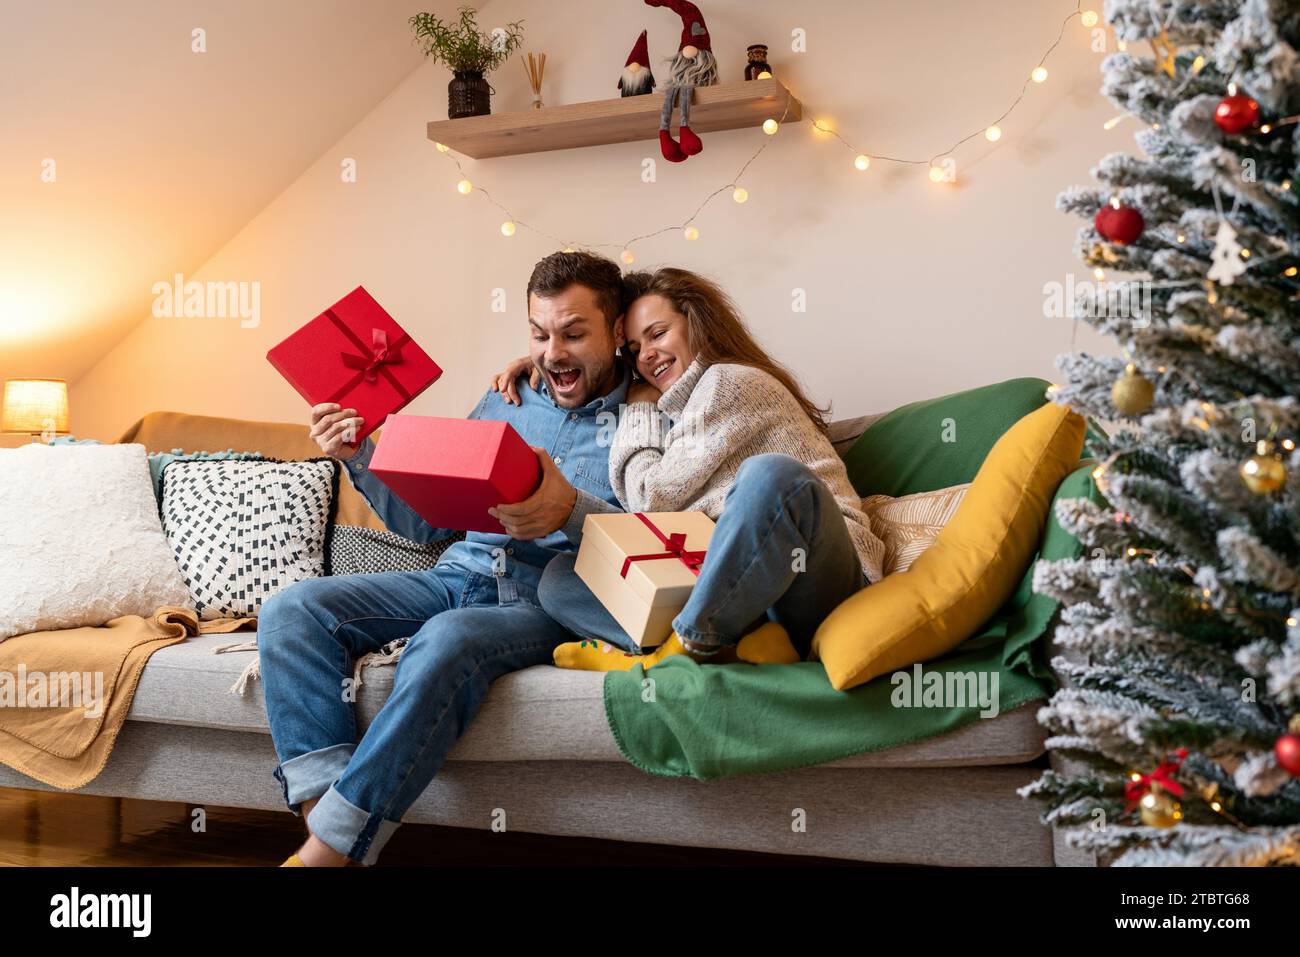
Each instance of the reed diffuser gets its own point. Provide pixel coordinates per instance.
(535, 66)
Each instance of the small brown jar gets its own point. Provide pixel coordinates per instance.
(757, 64)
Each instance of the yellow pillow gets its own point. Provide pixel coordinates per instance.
(973, 567)
(909, 524)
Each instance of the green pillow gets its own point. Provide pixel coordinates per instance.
(936, 443)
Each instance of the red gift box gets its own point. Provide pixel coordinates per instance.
(354, 354)
(451, 471)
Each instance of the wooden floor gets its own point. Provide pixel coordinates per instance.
(39, 828)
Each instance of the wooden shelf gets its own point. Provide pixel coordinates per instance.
(728, 106)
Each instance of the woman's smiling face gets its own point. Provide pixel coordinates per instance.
(657, 336)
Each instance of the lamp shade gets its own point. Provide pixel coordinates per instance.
(35, 406)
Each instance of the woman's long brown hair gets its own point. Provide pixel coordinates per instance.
(714, 327)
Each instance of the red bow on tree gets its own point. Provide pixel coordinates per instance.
(1136, 789)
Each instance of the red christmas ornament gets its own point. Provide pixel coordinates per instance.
(1287, 750)
(1121, 226)
(1236, 113)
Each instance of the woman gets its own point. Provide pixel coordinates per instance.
(748, 448)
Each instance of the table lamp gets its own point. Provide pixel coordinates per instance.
(35, 407)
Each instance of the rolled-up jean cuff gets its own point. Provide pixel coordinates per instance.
(310, 775)
(696, 643)
(340, 824)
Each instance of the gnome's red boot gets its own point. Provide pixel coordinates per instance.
(690, 142)
(668, 146)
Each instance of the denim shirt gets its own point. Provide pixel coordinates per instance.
(578, 441)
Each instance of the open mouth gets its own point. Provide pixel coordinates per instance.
(662, 368)
(564, 379)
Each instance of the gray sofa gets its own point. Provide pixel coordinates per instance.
(540, 750)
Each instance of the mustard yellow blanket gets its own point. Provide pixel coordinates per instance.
(64, 694)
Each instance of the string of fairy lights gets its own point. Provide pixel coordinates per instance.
(937, 171)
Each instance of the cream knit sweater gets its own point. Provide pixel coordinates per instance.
(719, 417)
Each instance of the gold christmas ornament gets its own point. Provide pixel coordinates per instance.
(1158, 809)
(1264, 472)
(1132, 392)
(1163, 51)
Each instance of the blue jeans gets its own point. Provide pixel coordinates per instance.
(780, 550)
(465, 630)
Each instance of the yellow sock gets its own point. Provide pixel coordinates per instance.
(768, 644)
(595, 655)
(293, 861)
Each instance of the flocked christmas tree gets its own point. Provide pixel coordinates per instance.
(1177, 723)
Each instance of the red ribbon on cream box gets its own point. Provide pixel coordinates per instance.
(354, 353)
(643, 566)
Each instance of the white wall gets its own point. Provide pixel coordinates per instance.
(913, 289)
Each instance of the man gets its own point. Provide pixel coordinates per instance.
(473, 617)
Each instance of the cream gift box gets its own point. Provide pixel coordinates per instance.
(642, 567)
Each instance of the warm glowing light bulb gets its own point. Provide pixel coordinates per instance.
(1122, 45)
(507, 228)
(770, 126)
(627, 257)
(740, 194)
(1089, 18)
(442, 147)
(464, 187)
(1286, 184)
(1113, 122)
(1245, 254)
(1198, 64)
(993, 133)
(862, 161)
(936, 174)
(1038, 74)
(1290, 271)
(764, 76)
(1099, 274)
(1266, 128)
(691, 233)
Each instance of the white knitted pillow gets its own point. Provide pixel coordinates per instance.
(80, 538)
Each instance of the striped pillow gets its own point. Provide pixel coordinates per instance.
(908, 525)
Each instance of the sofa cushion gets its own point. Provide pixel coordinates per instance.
(80, 539)
(973, 567)
(939, 442)
(244, 530)
(538, 714)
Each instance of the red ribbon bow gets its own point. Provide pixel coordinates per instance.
(674, 547)
(381, 353)
(1161, 777)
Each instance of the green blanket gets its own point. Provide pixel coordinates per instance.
(716, 721)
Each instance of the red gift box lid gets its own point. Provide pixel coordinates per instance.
(354, 353)
(451, 471)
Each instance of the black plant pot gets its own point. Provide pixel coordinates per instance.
(468, 94)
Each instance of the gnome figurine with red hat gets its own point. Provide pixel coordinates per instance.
(637, 78)
(694, 65)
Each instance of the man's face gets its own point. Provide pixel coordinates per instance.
(573, 345)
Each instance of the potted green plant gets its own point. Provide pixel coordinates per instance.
(469, 54)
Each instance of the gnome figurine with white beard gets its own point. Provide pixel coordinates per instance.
(694, 65)
(637, 78)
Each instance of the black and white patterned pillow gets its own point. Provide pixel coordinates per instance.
(243, 530)
(356, 550)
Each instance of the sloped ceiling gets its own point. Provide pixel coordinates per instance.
(160, 153)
